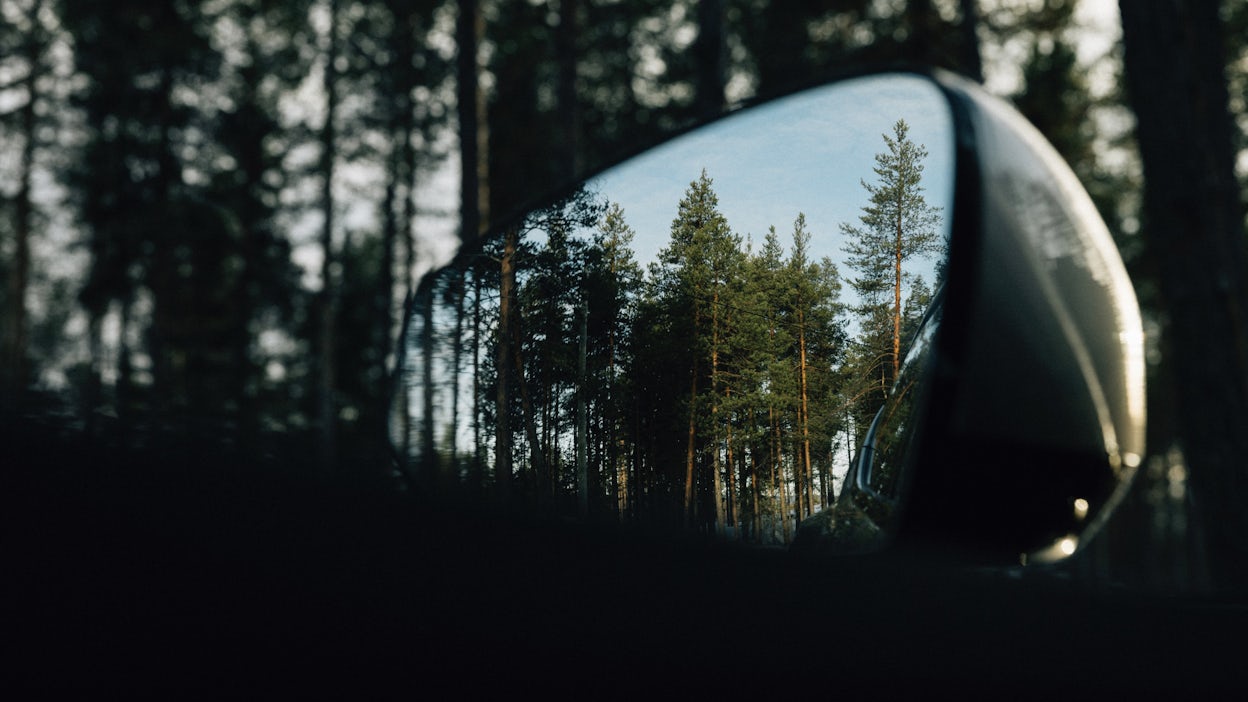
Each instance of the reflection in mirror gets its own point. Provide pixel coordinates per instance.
(872, 489)
(700, 337)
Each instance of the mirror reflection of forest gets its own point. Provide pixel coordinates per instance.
(721, 387)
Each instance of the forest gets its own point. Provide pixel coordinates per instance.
(717, 390)
(215, 214)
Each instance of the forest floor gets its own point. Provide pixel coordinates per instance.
(120, 576)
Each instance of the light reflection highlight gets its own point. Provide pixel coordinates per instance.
(1081, 508)
(1062, 548)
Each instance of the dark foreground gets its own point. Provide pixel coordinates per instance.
(135, 572)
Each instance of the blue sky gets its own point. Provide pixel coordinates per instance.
(807, 153)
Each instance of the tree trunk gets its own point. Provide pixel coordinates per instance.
(755, 512)
(566, 51)
(93, 393)
(777, 473)
(502, 366)
(730, 510)
(805, 409)
(582, 430)
(457, 358)
(123, 392)
(716, 479)
(473, 127)
(709, 51)
(252, 218)
(1175, 70)
(537, 460)
(427, 444)
(972, 64)
(478, 452)
(897, 296)
(383, 301)
(168, 389)
(409, 245)
(327, 306)
(611, 415)
(689, 449)
(14, 378)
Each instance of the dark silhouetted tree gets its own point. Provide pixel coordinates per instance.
(1194, 226)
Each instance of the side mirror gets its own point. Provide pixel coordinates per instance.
(1035, 419)
(958, 367)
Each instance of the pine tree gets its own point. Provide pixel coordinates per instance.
(898, 225)
(612, 284)
(701, 259)
(780, 395)
(815, 290)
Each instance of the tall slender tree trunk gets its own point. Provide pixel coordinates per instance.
(457, 358)
(400, 205)
(408, 236)
(972, 64)
(635, 476)
(613, 432)
(569, 113)
(799, 474)
(716, 478)
(799, 499)
(327, 412)
(252, 218)
(473, 125)
(897, 294)
(1176, 80)
(546, 391)
(549, 397)
(611, 413)
(805, 407)
(693, 419)
(428, 391)
(123, 391)
(709, 52)
(537, 460)
(383, 300)
(825, 484)
(582, 431)
(13, 366)
(755, 497)
(478, 458)
(168, 390)
(93, 393)
(777, 462)
(503, 364)
(411, 170)
(730, 495)
(920, 40)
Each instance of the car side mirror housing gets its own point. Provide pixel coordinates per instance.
(644, 348)
(1036, 419)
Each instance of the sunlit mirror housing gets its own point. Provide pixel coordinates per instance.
(1036, 415)
(1015, 422)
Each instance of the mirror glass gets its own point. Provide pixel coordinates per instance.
(699, 338)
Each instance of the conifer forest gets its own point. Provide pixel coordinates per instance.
(721, 388)
(219, 219)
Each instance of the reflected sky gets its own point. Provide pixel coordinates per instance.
(806, 153)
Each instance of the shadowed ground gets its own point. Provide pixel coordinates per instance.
(144, 571)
